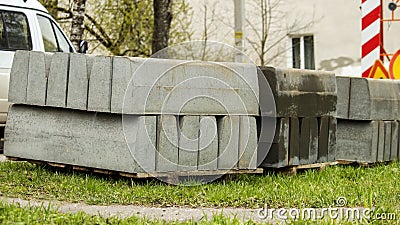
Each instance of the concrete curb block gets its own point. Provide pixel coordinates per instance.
(302, 141)
(368, 141)
(302, 93)
(134, 85)
(130, 143)
(373, 99)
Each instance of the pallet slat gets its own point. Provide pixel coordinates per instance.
(294, 169)
(168, 175)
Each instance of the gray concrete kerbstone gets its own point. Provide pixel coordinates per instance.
(343, 96)
(357, 140)
(189, 127)
(332, 139)
(278, 155)
(78, 81)
(374, 99)
(19, 77)
(302, 93)
(247, 143)
(74, 137)
(99, 96)
(208, 143)
(323, 139)
(395, 141)
(313, 151)
(294, 141)
(57, 80)
(381, 141)
(122, 74)
(167, 143)
(304, 145)
(140, 133)
(192, 88)
(388, 140)
(228, 142)
(37, 78)
(308, 141)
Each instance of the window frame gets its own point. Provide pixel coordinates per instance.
(302, 52)
(30, 42)
(54, 26)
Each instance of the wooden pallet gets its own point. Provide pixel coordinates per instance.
(362, 164)
(2, 127)
(171, 177)
(291, 170)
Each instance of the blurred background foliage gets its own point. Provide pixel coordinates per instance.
(122, 27)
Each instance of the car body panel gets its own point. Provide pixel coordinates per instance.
(31, 9)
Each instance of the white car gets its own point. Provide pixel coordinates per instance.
(25, 25)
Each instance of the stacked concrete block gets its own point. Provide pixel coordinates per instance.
(78, 81)
(132, 114)
(247, 143)
(57, 80)
(37, 79)
(208, 143)
(134, 85)
(189, 127)
(167, 144)
(140, 135)
(368, 112)
(19, 77)
(180, 87)
(79, 138)
(302, 141)
(368, 141)
(306, 117)
(302, 93)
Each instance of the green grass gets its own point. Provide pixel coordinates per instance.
(377, 187)
(362, 187)
(14, 214)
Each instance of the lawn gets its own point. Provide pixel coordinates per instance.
(14, 214)
(377, 186)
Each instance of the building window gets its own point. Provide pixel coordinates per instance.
(302, 52)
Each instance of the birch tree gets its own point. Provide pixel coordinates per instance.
(77, 24)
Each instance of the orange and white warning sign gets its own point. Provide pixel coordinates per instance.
(378, 70)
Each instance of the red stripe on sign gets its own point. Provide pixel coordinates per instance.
(363, 1)
(366, 72)
(373, 16)
(370, 45)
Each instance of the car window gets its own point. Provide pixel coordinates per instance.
(14, 31)
(48, 35)
(53, 38)
(64, 46)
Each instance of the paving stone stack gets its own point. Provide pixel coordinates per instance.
(306, 117)
(368, 115)
(170, 116)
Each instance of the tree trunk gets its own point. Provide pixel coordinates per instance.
(162, 24)
(78, 26)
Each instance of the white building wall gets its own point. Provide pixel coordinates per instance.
(335, 24)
